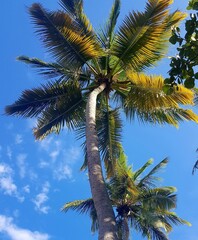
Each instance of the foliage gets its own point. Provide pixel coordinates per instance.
(137, 201)
(116, 56)
(183, 67)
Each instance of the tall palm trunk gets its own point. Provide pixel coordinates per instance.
(125, 229)
(105, 214)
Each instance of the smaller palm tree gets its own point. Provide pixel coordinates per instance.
(137, 201)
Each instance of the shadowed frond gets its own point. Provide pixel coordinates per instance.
(50, 70)
(33, 102)
(109, 128)
(58, 32)
(69, 113)
(55, 70)
(84, 206)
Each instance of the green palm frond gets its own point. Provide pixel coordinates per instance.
(109, 128)
(50, 70)
(139, 41)
(75, 9)
(69, 112)
(84, 206)
(107, 34)
(56, 70)
(33, 102)
(159, 198)
(142, 169)
(149, 179)
(58, 32)
(168, 218)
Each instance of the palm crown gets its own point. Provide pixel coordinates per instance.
(115, 57)
(138, 202)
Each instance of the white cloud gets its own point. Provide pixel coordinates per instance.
(26, 189)
(14, 232)
(18, 139)
(21, 164)
(62, 172)
(7, 185)
(41, 199)
(9, 152)
(44, 164)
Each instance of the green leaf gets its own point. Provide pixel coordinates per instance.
(189, 83)
(167, 89)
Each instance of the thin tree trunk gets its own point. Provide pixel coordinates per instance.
(125, 229)
(105, 214)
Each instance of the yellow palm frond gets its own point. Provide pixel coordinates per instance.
(63, 37)
(142, 38)
(148, 92)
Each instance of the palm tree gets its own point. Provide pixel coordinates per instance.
(137, 202)
(90, 72)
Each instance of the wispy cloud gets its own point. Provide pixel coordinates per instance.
(18, 139)
(26, 189)
(22, 164)
(7, 185)
(41, 199)
(9, 152)
(62, 171)
(14, 232)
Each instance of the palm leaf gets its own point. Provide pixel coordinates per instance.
(142, 169)
(83, 206)
(56, 70)
(147, 180)
(139, 41)
(109, 128)
(106, 35)
(159, 198)
(58, 32)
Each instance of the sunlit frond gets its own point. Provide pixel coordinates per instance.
(139, 41)
(58, 32)
(149, 179)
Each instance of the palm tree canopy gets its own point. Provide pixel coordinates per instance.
(116, 56)
(136, 197)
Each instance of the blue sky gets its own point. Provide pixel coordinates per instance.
(37, 178)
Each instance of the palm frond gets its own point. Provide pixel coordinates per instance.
(159, 198)
(109, 128)
(69, 112)
(149, 178)
(33, 102)
(172, 218)
(84, 206)
(139, 41)
(49, 70)
(106, 35)
(58, 32)
(142, 169)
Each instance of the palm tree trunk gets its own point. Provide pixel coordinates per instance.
(125, 229)
(105, 214)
